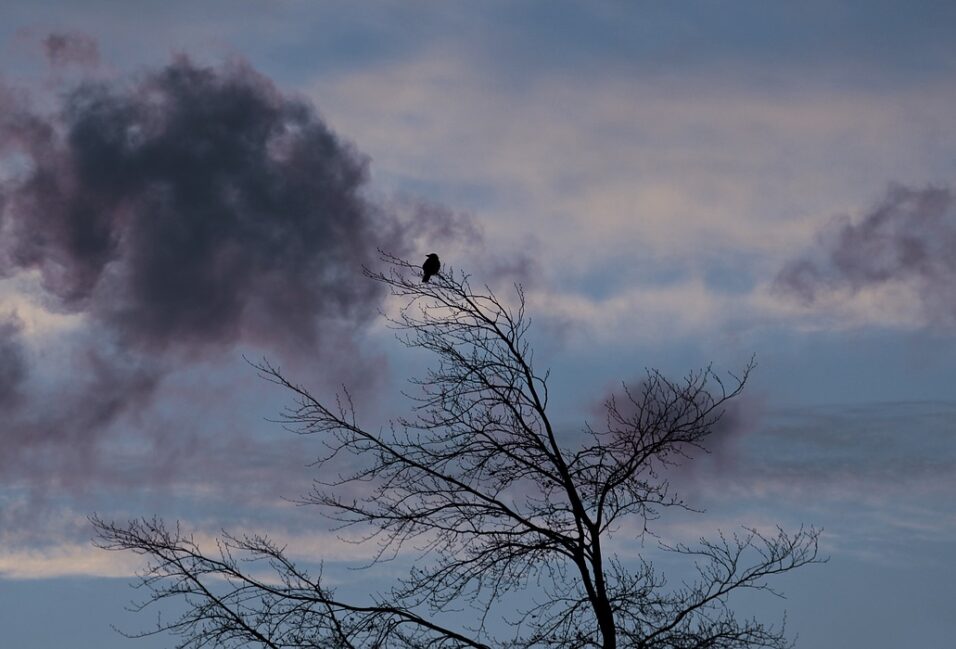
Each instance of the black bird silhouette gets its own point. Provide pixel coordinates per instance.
(430, 267)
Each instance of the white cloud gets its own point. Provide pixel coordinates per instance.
(696, 171)
(17, 295)
(67, 560)
(681, 166)
(64, 557)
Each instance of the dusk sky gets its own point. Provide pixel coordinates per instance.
(673, 184)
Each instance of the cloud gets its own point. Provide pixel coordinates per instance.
(71, 48)
(196, 207)
(697, 165)
(877, 457)
(714, 454)
(68, 552)
(878, 477)
(13, 366)
(464, 244)
(191, 208)
(53, 435)
(151, 228)
(173, 216)
(181, 212)
(67, 560)
(863, 471)
(664, 205)
(905, 242)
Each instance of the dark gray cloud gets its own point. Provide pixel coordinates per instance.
(13, 365)
(71, 48)
(909, 236)
(193, 208)
(183, 212)
(716, 453)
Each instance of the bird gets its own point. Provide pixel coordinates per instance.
(430, 267)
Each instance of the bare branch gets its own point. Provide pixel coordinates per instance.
(476, 481)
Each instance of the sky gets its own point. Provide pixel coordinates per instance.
(184, 185)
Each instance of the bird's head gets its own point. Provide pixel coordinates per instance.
(432, 255)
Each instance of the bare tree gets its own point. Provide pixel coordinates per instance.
(479, 479)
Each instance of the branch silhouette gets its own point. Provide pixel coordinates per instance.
(478, 482)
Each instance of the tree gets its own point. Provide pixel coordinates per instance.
(479, 478)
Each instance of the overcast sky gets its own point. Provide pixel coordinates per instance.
(675, 184)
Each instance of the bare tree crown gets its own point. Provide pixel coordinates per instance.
(477, 481)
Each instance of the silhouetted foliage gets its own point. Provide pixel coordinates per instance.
(478, 477)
